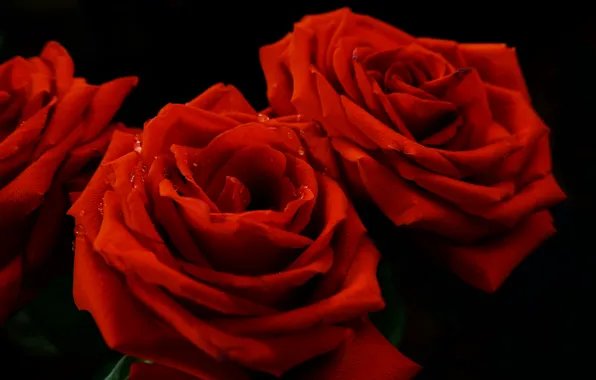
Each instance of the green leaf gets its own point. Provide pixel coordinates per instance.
(118, 370)
(391, 320)
(51, 334)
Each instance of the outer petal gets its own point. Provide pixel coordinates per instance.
(486, 266)
(129, 327)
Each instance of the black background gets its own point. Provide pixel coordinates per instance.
(541, 321)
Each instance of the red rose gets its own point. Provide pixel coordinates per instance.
(210, 246)
(440, 135)
(51, 126)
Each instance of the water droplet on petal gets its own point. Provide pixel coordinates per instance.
(262, 117)
(82, 213)
(301, 151)
(80, 230)
(290, 135)
(138, 145)
(100, 207)
(143, 168)
(194, 164)
(299, 117)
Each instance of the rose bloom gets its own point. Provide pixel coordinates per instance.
(52, 127)
(210, 246)
(441, 136)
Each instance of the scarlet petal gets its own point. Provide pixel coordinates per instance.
(24, 194)
(123, 252)
(278, 76)
(269, 354)
(181, 125)
(25, 134)
(422, 117)
(368, 356)
(333, 206)
(334, 118)
(350, 235)
(67, 114)
(412, 207)
(304, 96)
(486, 266)
(268, 289)
(234, 197)
(62, 65)
(266, 167)
(129, 327)
(222, 99)
(359, 294)
(106, 101)
(170, 219)
(221, 148)
(497, 64)
(235, 245)
(87, 209)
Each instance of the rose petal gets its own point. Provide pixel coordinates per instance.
(220, 98)
(350, 235)
(106, 100)
(268, 289)
(497, 64)
(278, 76)
(257, 167)
(486, 266)
(67, 115)
(179, 124)
(26, 133)
(129, 327)
(273, 354)
(166, 214)
(448, 50)
(333, 206)
(422, 117)
(234, 197)
(335, 120)
(238, 246)
(62, 65)
(222, 147)
(87, 207)
(359, 294)
(411, 207)
(121, 250)
(24, 194)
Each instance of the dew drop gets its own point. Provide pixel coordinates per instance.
(143, 168)
(138, 146)
(262, 117)
(301, 151)
(100, 207)
(82, 213)
(80, 230)
(194, 164)
(299, 117)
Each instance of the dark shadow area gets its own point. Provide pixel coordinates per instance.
(541, 321)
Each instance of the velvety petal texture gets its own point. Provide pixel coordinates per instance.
(441, 136)
(53, 127)
(210, 245)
